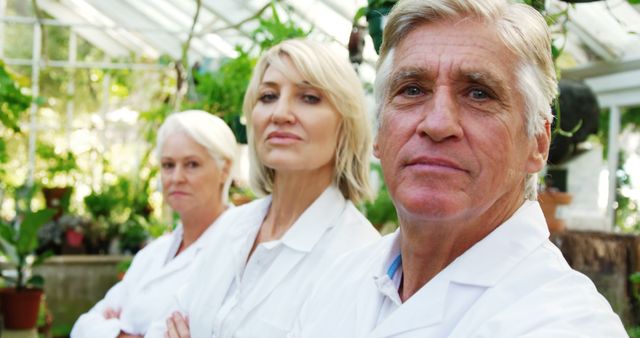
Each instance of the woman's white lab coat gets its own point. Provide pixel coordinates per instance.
(227, 299)
(147, 289)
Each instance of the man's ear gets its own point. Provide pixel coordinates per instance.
(539, 150)
(376, 149)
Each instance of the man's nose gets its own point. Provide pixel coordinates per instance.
(441, 119)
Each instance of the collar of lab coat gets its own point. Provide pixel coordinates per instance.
(486, 262)
(314, 222)
(303, 235)
(489, 260)
(173, 263)
(201, 242)
(483, 265)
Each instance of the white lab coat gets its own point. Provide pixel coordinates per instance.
(147, 289)
(221, 304)
(512, 283)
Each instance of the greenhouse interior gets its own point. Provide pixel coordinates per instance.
(87, 84)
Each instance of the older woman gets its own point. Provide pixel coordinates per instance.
(310, 147)
(196, 151)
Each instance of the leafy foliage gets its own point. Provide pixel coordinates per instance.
(63, 164)
(19, 244)
(221, 91)
(272, 31)
(12, 101)
(381, 210)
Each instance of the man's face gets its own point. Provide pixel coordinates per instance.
(452, 140)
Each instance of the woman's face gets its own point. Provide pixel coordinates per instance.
(295, 127)
(191, 179)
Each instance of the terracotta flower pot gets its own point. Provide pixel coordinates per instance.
(20, 308)
(549, 201)
(57, 198)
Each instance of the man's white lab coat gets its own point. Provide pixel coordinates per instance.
(147, 289)
(228, 300)
(512, 283)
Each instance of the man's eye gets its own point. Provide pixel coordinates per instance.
(267, 97)
(167, 165)
(310, 98)
(412, 91)
(479, 94)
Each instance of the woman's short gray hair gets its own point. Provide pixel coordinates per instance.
(521, 28)
(334, 76)
(207, 130)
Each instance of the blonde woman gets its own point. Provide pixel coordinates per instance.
(196, 151)
(310, 148)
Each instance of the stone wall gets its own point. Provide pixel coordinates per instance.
(74, 283)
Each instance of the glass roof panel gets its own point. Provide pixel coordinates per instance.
(598, 31)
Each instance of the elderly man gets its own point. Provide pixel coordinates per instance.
(464, 90)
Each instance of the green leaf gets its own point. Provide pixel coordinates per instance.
(635, 278)
(36, 281)
(9, 249)
(10, 280)
(41, 258)
(7, 232)
(362, 11)
(27, 240)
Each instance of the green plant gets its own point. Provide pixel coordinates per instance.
(13, 104)
(124, 265)
(634, 278)
(52, 235)
(18, 245)
(273, 30)
(375, 11)
(381, 212)
(121, 210)
(133, 234)
(634, 332)
(221, 91)
(57, 164)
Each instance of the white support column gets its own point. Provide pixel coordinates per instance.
(614, 130)
(71, 85)
(3, 12)
(35, 91)
(106, 85)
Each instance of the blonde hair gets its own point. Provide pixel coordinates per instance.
(522, 29)
(207, 130)
(334, 76)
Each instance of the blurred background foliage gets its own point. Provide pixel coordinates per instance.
(96, 167)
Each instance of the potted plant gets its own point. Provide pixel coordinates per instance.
(21, 302)
(57, 180)
(64, 235)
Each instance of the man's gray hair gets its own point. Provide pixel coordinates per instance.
(522, 29)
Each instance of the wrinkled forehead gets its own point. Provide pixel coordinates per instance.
(461, 49)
